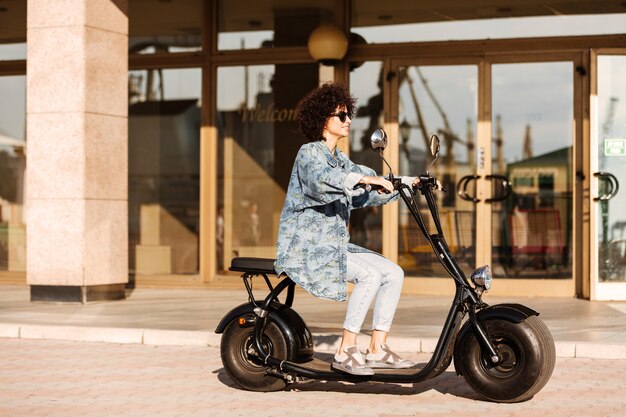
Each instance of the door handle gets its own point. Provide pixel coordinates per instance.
(613, 184)
(462, 188)
(506, 186)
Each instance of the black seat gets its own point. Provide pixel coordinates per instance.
(254, 265)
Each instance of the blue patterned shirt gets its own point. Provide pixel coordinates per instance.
(313, 236)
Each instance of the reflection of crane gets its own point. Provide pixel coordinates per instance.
(528, 144)
(404, 75)
(449, 137)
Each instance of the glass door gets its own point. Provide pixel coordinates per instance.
(608, 169)
(507, 133)
(531, 169)
(442, 100)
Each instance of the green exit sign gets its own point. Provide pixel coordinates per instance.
(614, 147)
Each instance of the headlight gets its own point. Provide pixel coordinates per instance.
(481, 277)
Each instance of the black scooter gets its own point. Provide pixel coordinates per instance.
(505, 352)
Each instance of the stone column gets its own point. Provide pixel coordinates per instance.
(77, 139)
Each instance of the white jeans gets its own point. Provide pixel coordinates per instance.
(373, 276)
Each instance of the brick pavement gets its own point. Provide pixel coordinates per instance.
(59, 378)
(580, 328)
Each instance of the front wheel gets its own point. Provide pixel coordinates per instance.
(245, 369)
(527, 355)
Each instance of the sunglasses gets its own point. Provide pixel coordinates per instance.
(342, 115)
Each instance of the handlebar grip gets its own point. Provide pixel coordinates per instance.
(431, 182)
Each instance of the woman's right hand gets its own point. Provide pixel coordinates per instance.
(386, 185)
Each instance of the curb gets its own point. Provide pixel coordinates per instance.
(326, 342)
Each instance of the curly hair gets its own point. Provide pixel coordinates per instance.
(313, 110)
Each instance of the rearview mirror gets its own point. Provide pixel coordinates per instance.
(434, 149)
(378, 140)
(434, 146)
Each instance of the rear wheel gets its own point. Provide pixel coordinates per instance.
(242, 366)
(527, 360)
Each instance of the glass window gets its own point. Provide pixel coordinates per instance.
(12, 30)
(164, 171)
(367, 86)
(440, 100)
(258, 143)
(402, 21)
(252, 24)
(165, 26)
(12, 168)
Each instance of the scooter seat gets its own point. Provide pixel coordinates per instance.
(254, 265)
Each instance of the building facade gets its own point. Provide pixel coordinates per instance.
(148, 142)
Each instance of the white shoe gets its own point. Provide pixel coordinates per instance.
(386, 358)
(351, 361)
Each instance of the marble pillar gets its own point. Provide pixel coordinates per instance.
(77, 139)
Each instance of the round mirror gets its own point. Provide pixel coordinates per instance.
(434, 145)
(378, 139)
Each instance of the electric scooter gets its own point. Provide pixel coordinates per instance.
(505, 352)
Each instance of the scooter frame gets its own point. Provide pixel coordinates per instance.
(466, 302)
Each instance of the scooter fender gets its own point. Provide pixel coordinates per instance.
(297, 334)
(515, 313)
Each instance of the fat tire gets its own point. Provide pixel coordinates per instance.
(529, 348)
(245, 370)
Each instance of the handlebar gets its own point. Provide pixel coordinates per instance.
(424, 181)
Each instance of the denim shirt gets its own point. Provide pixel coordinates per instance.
(313, 236)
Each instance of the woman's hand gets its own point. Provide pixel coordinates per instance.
(410, 181)
(386, 186)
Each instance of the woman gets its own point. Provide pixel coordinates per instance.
(312, 246)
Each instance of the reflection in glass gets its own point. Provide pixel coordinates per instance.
(532, 148)
(441, 100)
(258, 143)
(367, 86)
(164, 171)
(252, 24)
(12, 169)
(612, 160)
(421, 21)
(12, 30)
(165, 26)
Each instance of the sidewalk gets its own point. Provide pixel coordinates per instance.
(581, 328)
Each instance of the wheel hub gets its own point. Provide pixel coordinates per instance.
(250, 354)
(508, 363)
(508, 359)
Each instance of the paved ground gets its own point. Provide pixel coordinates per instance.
(60, 378)
(189, 317)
